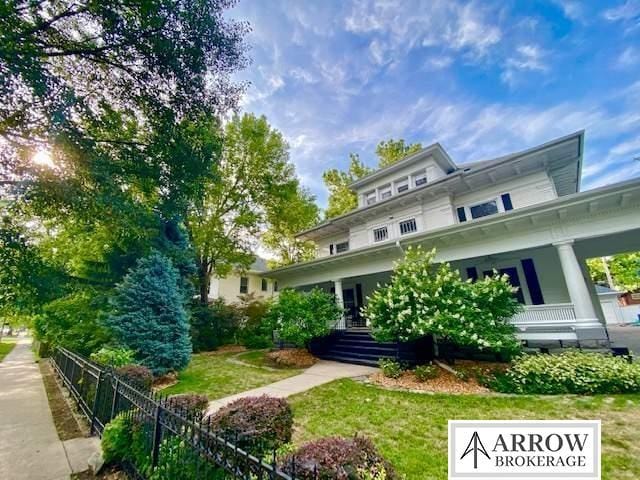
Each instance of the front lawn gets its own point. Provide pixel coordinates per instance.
(6, 345)
(410, 429)
(217, 375)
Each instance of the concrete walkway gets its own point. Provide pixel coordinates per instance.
(29, 445)
(322, 372)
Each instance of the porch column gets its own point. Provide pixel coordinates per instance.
(578, 290)
(337, 286)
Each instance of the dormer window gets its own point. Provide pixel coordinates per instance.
(385, 192)
(419, 178)
(402, 185)
(370, 197)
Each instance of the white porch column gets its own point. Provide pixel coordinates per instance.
(576, 285)
(337, 285)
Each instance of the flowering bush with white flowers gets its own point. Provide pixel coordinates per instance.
(426, 298)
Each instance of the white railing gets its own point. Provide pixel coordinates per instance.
(547, 314)
(553, 321)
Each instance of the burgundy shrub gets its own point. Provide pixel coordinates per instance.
(137, 375)
(257, 424)
(193, 402)
(337, 458)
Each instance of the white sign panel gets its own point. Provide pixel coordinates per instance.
(532, 449)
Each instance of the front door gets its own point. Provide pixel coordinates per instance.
(351, 308)
(514, 279)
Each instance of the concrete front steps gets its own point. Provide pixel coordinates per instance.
(357, 346)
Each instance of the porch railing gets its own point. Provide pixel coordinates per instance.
(552, 313)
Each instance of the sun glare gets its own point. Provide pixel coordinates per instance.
(43, 158)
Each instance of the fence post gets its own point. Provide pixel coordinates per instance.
(114, 401)
(95, 403)
(157, 434)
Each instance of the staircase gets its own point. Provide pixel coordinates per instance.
(357, 346)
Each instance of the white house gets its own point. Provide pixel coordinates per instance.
(609, 301)
(522, 214)
(244, 282)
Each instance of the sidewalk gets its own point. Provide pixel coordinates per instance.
(29, 445)
(322, 372)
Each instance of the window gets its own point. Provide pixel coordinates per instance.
(462, 215)
(331, 250)
(484, 209)
(342, 247)
(402, 185)
(408, 226)
(370, 198)
(380, 234)
(275, 285)
(265, 286)
(420, 178)
(244, 285)
(385, 192)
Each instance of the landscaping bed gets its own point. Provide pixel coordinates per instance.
(6, 345)
(445, 382)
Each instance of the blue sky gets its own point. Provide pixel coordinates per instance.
(482, 78)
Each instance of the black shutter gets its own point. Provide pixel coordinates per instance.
(506, 201)
(331, 249)
(531, 277)
(472, 273)
(462, 216)
(359, 294)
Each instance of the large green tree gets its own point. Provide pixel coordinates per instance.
(247, 193)
(341, 199)
(624, 269)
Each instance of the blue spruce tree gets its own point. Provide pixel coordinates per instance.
(149, 315)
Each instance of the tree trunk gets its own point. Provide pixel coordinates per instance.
(204, 281)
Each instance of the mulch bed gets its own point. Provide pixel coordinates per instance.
(165, 381)
(292, 357)
(110, 473)
(64, 418)
(445, 382)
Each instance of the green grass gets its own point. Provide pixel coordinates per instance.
(6, 345)
(411, 429)
(217, 375)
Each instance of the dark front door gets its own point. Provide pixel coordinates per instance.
(352, 309)
(514, 279)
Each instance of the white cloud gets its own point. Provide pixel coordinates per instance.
(438, 62)
(573, 10)
(527, 57)
(629, 57)
(629, 10)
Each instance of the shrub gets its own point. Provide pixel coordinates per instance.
(193, 402)
(116, 440)
(213, 325)
(258, 424)
(391, 368)
(136, 374)
(113, 356)
(255, 330)
(425, 372)
(149, 315)
(292, 358)
(338, 458)
(424, 298)
(301, 316)
(569, 372)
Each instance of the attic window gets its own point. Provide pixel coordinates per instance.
(402, 185)
(342, 247)
(380, 234)
(370, 197)
(408, 226)
(420, 178)
(385, 192)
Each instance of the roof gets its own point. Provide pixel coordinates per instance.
(259, 265)
(567, 178)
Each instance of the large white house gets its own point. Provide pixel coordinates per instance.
(522, 214)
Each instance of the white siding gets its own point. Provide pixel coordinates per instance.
(323, 244)
(524, 191)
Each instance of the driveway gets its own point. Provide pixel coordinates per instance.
(625, 335)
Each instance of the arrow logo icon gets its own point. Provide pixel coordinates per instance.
(475, 445)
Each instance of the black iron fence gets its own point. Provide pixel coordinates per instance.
(168, 442)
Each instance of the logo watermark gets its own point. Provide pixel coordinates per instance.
(539, 449)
